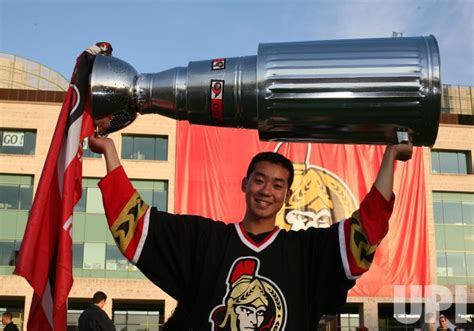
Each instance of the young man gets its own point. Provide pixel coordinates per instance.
(251, 275)
(7, 321)
(94, 317)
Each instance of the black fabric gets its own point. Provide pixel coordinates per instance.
(191, 257)
(11, 327)
(95, 319)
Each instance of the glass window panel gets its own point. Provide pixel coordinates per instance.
(81, 204)
(94, 201)
(438, 212)
(468, 212)
(448, 162)
(77, 255)
(114, 259)
(440, 238)
(9, 197)
(462, 162)
(147, 195)
(154, 318)
(120, 317)
(441, 270)
(127, 147)
(452, 212)
(7, 252)
(454, 237)
(468, 235)
(161, 148)
(26, 197)
(94, 255)
(456, 264)
(30, 142)
(435, 162)
(73, 318)
(137, 318)
(144, 148)
(470, 264)
(160, 200)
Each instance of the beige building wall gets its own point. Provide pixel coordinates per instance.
(42, 117)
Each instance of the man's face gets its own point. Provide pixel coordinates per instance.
(5, 320)
(249, 317)
(266, 190)
(442, 322)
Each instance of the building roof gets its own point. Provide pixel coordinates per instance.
(20, 73)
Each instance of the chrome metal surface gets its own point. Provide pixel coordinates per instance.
(359, 91)
(112, 82)
(338, 91)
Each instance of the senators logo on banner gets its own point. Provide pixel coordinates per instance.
(319, 198)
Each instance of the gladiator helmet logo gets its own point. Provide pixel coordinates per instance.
(252, 302)
(319, 198)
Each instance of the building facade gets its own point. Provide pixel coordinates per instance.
(30, 101)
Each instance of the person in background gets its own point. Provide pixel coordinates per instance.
(443, 323)
(8, 322)
(95, 318)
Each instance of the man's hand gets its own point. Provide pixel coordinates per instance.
(100, 145)
(106, 146)
(401, 152)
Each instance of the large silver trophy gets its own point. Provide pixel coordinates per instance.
(360, 91)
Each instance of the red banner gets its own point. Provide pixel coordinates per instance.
(330, 181)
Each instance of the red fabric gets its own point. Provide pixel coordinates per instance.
(211, 163)
(45, 257)
(116, 192)
(374, 213)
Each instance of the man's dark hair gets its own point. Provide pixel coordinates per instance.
(274, 158)
(8, 315)
(98, 297)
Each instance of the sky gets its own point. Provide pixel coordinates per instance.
(162, 34)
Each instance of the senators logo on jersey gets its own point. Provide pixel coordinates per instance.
(252, 302)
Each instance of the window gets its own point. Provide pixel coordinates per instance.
(86, 152)
(454, 230)
(145, 148)
(77, 255)
(91, 198)
(450, 162)
(16, 192)
(73, 319)
(154, 193)
(17, 142)
(453, 208)
(94, 256)
(138, 314)
(114, 259)
(136, 320)
(9, 252)
(349, 321)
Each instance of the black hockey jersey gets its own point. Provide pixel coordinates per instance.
(227, 279)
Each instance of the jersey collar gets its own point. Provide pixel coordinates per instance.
(250, 243)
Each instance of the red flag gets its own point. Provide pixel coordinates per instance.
(45, 257)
